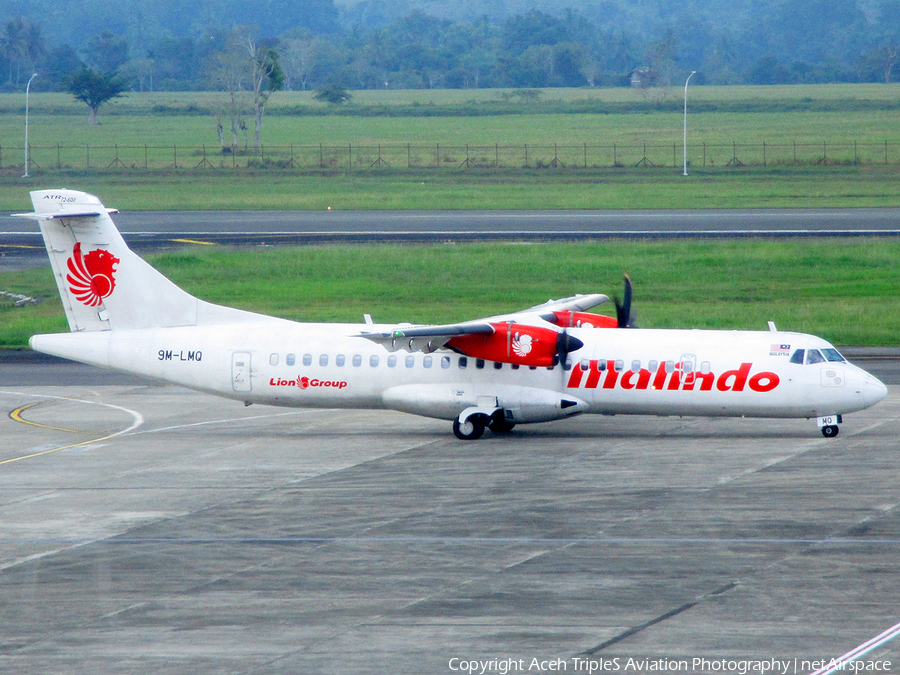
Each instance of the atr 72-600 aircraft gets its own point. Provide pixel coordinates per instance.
(544, 363)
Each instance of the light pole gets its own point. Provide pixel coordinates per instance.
(693, 72)
(27, 91)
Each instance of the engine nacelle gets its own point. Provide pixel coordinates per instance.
(513, 343)
(584, 320)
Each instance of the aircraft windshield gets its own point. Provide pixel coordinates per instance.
(830, 354)
(814, 356)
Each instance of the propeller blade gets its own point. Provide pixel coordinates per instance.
(623, 309)
(565, 343)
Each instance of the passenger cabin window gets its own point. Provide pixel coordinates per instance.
(652, 366)
(463, 362)
(323, 360)
(814, 356)
(479, 363)
(797, 356)
(373, 360)
(619, 365)
(635, 366)
(445, 362)
(339, 360)
(290, 359)
(307, 359)
(357, 360)
(273, 360)
(410, 361)
(497, 365)
(426, 362)
(392, 361)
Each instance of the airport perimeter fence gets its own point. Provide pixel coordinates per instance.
(422, 157)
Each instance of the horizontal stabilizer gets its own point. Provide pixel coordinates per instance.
(79, 213)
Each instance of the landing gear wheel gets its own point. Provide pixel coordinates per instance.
(830, 431)
(470, 430)
(500, 426)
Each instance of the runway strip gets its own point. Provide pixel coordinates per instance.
(147, 231)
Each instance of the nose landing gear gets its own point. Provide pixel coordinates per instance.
(829, 425)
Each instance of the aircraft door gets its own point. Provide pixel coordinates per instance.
(240, 371)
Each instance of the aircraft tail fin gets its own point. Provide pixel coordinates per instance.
(102, 283)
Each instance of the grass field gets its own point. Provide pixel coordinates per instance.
(846, 292)
(535, 189)
(856, 126)
(190, 119)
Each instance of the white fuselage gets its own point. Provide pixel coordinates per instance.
(644, 371)
(124, 314)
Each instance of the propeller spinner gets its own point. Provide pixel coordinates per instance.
(566, 343)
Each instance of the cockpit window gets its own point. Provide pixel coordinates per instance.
(797, 356)
(833, 355)
(814, 356)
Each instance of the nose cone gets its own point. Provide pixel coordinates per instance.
(873, 390)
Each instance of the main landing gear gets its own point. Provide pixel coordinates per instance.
(470, 430)
(473, 427)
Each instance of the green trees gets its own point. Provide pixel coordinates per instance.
(249, 71)
(335, 94)
(95, 88)
(170, 45)
(22, 46)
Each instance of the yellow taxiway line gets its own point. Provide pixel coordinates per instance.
(16, 415)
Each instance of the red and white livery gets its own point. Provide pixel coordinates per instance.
(547, 362)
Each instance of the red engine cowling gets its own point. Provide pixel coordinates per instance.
(584, 320)
(511, 343)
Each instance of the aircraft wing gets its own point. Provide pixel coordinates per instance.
(429, 338)
(426, 338)
(576, 303)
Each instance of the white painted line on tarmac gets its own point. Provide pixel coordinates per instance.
(137, 418)
(840, 663)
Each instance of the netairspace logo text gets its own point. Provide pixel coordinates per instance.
(505, 666)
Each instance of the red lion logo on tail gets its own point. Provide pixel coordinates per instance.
(92, 277)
